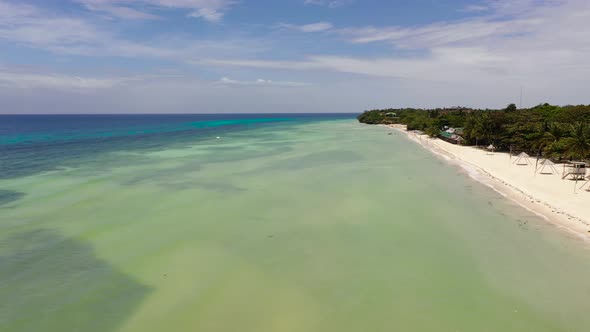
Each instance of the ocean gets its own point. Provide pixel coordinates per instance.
(282, 222)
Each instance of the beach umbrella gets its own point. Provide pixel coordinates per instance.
(522, 159)
(491, 148)
(547, 167)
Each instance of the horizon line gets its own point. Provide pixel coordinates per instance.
(264, 113)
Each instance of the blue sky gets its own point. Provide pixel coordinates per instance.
(177, 56)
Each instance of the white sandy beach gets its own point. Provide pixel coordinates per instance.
(547, 195)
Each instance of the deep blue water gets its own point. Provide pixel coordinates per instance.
(30, 144)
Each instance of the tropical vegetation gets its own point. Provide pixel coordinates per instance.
(557, 132)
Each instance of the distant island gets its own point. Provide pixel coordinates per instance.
(556, 132)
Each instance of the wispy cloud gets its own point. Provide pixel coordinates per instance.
(518, 41)
(537, 43)
(22, 79)
(261, 82)
(116, 10)
(208, 14)
(312, 27)
(26, 24)
(329, 3)
(475, 8)
(209, 10)
(34, 27)
(264, 64)
(437, 34)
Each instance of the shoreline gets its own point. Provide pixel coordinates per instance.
(548, 197)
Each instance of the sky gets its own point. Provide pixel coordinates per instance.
(258, 56)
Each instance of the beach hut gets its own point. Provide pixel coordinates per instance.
(522, 159)
(447, 136)
(491, 148)
(546, 166)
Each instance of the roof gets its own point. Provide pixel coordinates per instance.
(446, 134)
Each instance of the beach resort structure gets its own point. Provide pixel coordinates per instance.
(452, 135)
(546, 166)
(523, 159)
(574, 170)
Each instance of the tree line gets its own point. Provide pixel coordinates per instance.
(556, 132)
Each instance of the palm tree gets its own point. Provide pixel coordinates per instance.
(549, 134)
(578, 144)
(474, 128)
(470, 131)
(487, 127)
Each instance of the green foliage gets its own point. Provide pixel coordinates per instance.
(511, 108)
(548, 130)
(432, 131)
(578, 144)
(372, 117)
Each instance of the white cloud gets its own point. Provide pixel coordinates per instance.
(209, 10)
(27, 25)
(227, 80)
(316, 27)
(329, 3)
(59, 81)
(437, 34)
(12, 11)
(544, 42)
(312, 27)
(208, 14)
(31, 26)
(112, 8)
(541, 45)
(261, 82)
(480, 61)
(264, 64)
(161, 94)
(475, 8)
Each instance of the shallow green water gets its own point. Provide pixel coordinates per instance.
(326, 226)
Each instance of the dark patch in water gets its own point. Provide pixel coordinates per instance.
(9, 196)
(53, 283)
(163, 176)
(218, 187)
(312, 160)
(173, 179)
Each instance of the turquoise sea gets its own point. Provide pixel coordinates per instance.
(260, 223)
